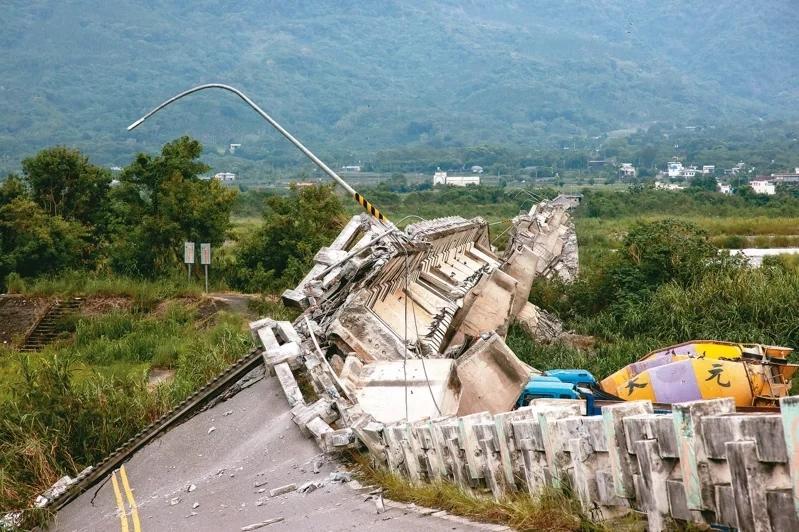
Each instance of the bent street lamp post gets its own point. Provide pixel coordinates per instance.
(371, 209)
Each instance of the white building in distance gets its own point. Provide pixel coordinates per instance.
(763, 187)
(441, 178)
(675, 169)
(725, 189)
(225, 176)
(351, 168)
(668, 186)
(627, 170)
(708, 169)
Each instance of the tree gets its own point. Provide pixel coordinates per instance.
(161, 203)
(64, 183)
(34, 243)
(11, 188)
(294, 228)
(704, 182)
(655, 253)
(398, 183)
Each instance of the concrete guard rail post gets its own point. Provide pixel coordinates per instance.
(703, 463)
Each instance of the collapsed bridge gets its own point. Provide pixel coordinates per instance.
(400, 348)
(402, 341)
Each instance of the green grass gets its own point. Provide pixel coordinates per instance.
(597, 237)
(70, 405)
(144, 293)
(606, 357)
(553, 510)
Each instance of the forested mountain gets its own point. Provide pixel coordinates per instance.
(353, 77)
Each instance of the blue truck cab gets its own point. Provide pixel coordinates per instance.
(561, 384)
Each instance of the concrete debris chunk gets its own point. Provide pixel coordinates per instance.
(379, 503)
(191, 488)
(282, 490)
(256, 526)
(340, 476)
(174, 501)
(310, 486)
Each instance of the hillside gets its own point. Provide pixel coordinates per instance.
(354, 77)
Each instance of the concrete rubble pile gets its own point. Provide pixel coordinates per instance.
(410, 325)
(439, 405)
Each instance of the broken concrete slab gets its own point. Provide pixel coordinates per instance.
(282, 490)
(491, 377)
(383, 389)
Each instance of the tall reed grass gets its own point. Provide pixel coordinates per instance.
(59, 417)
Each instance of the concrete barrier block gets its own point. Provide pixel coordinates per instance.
(289, 384)
(290, 353)
(370, 433)
(678, 504)
(725, 506)
(527, 437)
(622, 464)
(595, 432)
(340, 439)
(780, 506)
(789, 408)
(663, 431)
(449, 434)
(765, 430)
(469, 442)
(510, 454)
(653, 473)
(490, 454)
(302, 414)
(606, 490)
(256, 325)
(267, 337)
(432, 450)
(395, 454)
(414, 457)
(319, 429)
(748, 487)
(687, 418)
(554, 440)
(584, 473)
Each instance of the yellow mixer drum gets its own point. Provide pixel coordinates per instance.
(687, 379)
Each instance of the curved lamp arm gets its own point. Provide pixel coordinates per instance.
(371, 209)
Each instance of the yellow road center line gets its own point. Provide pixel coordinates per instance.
(123, 519)
(131, 501)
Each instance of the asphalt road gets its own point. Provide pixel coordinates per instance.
(254, 447)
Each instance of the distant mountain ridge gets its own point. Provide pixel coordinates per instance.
(354, 77)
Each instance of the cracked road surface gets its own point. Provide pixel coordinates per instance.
(254, 447)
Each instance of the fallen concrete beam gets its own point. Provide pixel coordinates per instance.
(289, 384)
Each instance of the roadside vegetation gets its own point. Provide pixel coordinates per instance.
(554, 510)
(73, 403)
